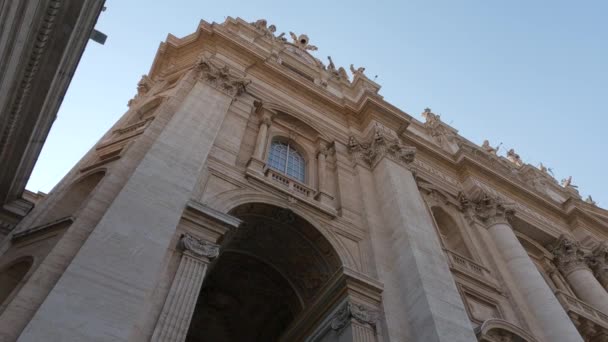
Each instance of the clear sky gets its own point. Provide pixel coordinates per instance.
(530, 74)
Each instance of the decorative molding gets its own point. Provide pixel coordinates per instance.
(382, 144)
(219, 77)
(499, 330)
(485, 208)
(33, 65)
(198, 247)
(569, 255)
(598, 262)
(358, 312)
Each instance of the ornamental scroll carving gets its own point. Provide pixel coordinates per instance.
(569, 256)
(219, 77)
(198, 247)
(380, 145)
(358, 312)
(598, 262)
(486, 208)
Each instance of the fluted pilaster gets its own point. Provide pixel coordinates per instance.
(180, 303)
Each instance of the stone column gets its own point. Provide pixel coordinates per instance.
(421, 301)
(179, 306)
(257, 162)
(571, 261)
(598, 261)
(323, 195)
(103, 293)
(554, 323)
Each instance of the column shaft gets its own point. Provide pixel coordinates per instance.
(551, 318)
(178, 309)
(587, 287)
(321, 171)
(419, 286)
(261, 141)
(571, 259)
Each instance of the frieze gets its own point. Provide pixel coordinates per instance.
(382, 144)
(420, 165)
(569, 255)
(516, 205)
(199, 247)
(350, 311)
(220, 77)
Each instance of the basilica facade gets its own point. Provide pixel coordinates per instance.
(253, 193)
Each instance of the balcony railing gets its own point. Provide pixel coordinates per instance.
(468, 266)
(582, 309)
(289, 184)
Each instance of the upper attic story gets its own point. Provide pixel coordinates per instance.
(350, 103)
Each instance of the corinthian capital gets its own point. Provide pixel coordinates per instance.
(199, 247)
(568, 254)
(486, 208)
(220, 77)
(598, 262)
(382, 144)
(356, 311)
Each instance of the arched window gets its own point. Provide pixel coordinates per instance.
(286, 159)
(449, 232)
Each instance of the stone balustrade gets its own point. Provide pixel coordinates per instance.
(591, 322)
(293, 186)
(469, 267)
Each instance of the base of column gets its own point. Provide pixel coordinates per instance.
(324, 198)
(256, 165)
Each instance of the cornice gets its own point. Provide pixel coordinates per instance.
(364, 104)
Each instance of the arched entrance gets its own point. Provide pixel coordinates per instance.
(270, 271)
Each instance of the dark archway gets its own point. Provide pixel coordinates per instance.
(270, 270)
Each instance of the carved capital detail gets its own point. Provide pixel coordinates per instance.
(219, 77)
(569, 256)
(350, 311)
(198, 247)
(598, 262)
(382, 144)
(486, 208)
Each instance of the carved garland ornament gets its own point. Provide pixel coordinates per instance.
(568, 254)
(381, 144)
(356, 311)
(220, 77)
(198, 247)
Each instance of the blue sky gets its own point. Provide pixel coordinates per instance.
(530, 74)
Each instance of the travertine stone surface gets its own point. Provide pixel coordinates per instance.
(418, 275)
(550, 315)
(110, 292)
(178, 309)
(422, 234)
